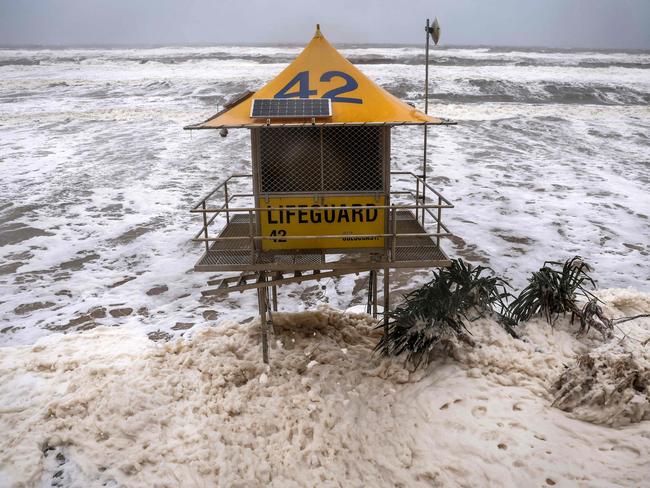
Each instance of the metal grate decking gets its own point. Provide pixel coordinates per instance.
(236, 255)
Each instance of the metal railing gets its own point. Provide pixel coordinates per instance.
(420, 207)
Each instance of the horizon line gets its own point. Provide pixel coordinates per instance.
(342, 45)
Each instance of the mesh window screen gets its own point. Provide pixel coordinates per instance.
(314, 159)
(352, 159)
(290, 159)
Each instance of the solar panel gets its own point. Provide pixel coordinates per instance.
(291, 108)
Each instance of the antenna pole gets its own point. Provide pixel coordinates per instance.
(426, 111)
(426, 73)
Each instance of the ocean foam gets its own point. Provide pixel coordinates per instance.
(550, 159)
(108, 406)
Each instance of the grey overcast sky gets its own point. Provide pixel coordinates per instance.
(613, 24)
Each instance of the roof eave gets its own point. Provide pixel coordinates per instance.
(316, 124)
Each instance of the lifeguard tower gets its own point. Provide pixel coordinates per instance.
(321, 200)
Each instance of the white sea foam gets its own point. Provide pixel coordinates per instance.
(108, 406)
(550, 159)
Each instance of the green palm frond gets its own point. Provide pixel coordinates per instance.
(442, 309)
(553, 290)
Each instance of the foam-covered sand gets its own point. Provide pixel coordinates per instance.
(108, 407)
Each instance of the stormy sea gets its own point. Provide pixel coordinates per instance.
(550, 158)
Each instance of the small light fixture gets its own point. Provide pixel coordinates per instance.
(223, 132)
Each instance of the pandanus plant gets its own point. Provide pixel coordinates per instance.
(556, 289)
(442, 309)
(456, 296)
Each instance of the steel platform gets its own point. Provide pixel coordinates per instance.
(236, 255)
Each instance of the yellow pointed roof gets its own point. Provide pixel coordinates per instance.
(320, 71)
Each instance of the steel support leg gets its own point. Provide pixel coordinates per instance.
(386, 303)
(374, 294)
(263, 307)
(269, 302)
(274, 292)
(370, 291)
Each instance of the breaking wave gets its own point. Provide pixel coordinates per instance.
(487, 90)
(363, 55)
